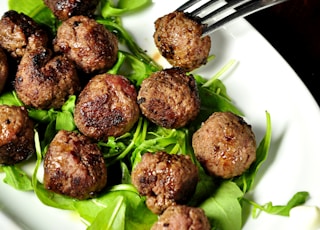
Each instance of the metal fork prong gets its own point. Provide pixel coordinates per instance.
(197, 11)
(230, 5)
(187, 5)
(242, 11)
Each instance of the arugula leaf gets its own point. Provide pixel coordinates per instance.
(131, 67)
(35, 9)
(282, 210)
(223, 208)
(121, 205)
(246, 180)
(10, 98)
(17, 178)
(65, 119)
(45, 196)
(205, 188)
(123, 35)
(110, 9)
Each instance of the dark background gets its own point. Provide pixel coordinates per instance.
(293, 29)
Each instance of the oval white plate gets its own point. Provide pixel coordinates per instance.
(262, 81)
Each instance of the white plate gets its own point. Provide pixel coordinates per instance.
(261, 82)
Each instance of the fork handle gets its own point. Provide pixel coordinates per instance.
(242, 11)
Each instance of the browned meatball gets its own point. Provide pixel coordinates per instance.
(169, 98)
(64, 9)
(16, 135)
(43, 81)
(89, 44)
(74, 166)
(165, 179)
(106, 107)
(4, 69)
(19, 32)
(225, 145)
(179, 39)
(181, 217)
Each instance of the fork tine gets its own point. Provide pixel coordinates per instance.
(187, 5)
(197, 11)
(242, 11)
(229, 5)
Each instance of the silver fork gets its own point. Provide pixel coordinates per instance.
(205, 13)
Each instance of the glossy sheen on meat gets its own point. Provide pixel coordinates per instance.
(64, 9)
(89, 44)
(4, 69)
(19, 32)
(179, 39)
(16, 135)
(225, 145)
(181, 217)
(106, 107)
(45, 82)
(165, 179)
(169, 98)
(74, 166)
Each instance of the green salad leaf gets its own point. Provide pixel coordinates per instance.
(110, 8)
(17, 178)
(35, 9)
(246, 180)
(223, 208)
(283, 210)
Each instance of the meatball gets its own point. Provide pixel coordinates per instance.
(64, 9)
(181, 217)
(106, 107)
(16, 135)
(74, 166)
(19, 32)
(179, 39)
(225, 145)
(4, 69)
(165, 179)
(44, 82)
(169, 98)
(89, 44)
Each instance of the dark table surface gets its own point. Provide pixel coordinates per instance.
(293, 29)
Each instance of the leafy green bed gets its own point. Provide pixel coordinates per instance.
(120, 206)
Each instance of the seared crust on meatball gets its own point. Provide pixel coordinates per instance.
(19, 32)
(225, 145)
(89, 44)
(169, 98)
(4, 69)
(179, 39)
(106, 107)
(181, 217)
(74, 166)
(44, 82)
(165, 179)
(16, 135)
(64, 9)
